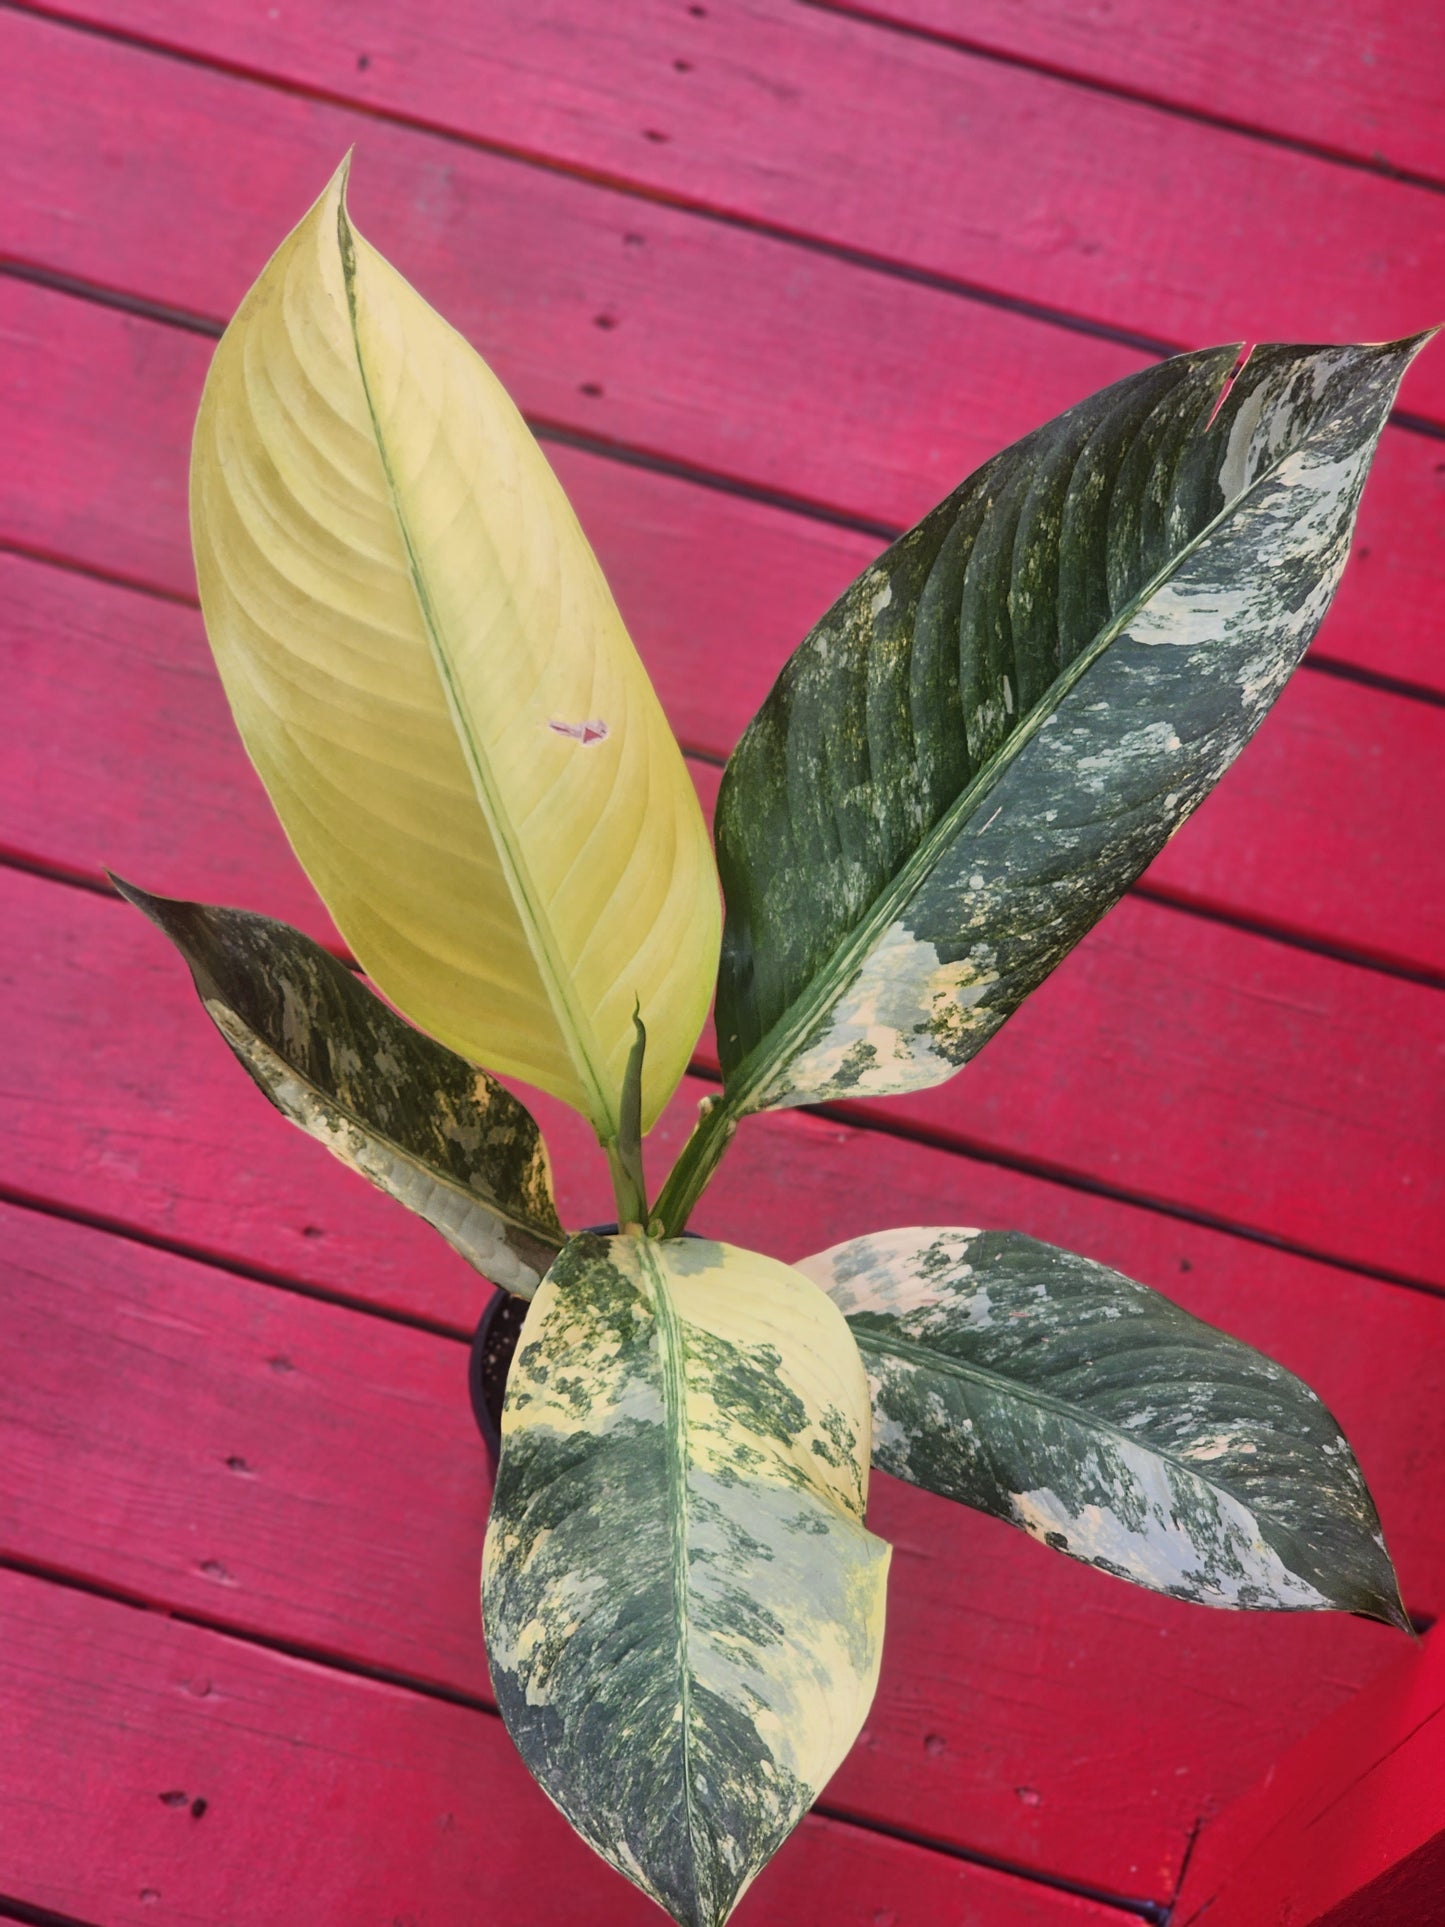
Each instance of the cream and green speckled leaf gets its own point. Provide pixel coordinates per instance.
(1055, 1393)
(994, 730)
(434, 1132)
(683, 1608)
(431, 677)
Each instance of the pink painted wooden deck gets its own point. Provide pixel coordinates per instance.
(769, 276)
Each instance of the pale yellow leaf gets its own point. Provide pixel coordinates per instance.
(432, 678)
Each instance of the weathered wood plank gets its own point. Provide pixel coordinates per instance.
(1348, 1830)
(1168, 1056)
(1185, 1061)
(731, 351)
(305, 1473)
(311, 1795)
(693, 333)
(98, 407)
(1325, 828)
(1350, 76)
(914, 152)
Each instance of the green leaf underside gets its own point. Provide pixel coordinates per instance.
(683, 1608)
(998, 726)
(419, 1122)
(1054, 1393)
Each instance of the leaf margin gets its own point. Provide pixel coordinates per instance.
(527, 1235)
(923, 1271)
(590, 1324)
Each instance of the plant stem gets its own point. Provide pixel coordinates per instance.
(630, 1200)
(690, 1176)
(624, 1152)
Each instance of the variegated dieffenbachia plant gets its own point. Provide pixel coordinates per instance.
(971, 757)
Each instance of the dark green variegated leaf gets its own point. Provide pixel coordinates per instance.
(997, 727)
(444, 1138)
(684, 1612)
(1057, 1394)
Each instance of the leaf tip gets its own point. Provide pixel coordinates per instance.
(1394, 1614)
(139, 899)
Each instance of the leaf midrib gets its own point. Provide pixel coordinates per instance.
(924, 1358)
(793, 1030)
(674, 1376)
(578, 1038)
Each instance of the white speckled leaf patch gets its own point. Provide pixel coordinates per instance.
(422, 1124)
(1061, 1396)
(684, 1611)
(999, 725)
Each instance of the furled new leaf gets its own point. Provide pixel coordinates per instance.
(1057, 1394)
(433, 680)
(422, 1124)
(683, 1608)
(989, 735)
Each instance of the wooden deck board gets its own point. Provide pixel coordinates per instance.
(1349, 76)
(1325, 829)
(1350, 1827)
(986, 174)
(894, 390)
(334, 1798)
(328, 1491)
(725, 247)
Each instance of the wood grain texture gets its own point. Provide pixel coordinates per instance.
(1169, 1057)
(820, 125)
(689, 332)
(311, 1795)
(306, 1473)
(99, 406)
(1323, 827)
(616, 317)
(1029, 1709)
(1350, 76)
(1347, 1830)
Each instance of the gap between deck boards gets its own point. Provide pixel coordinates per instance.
(1128, 1906)
(1184, 901)
(636, 188)
(855, 1118)
(974, 49)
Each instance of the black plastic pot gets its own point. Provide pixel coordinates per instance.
(494, 1344)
